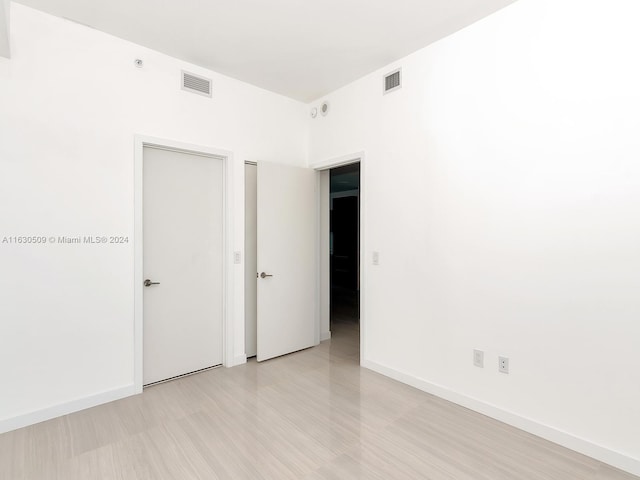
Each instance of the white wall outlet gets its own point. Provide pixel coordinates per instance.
(503, 364)
(237, 258)
(375, 258)
(478, 358)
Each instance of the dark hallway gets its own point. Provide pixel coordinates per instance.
(345, 246)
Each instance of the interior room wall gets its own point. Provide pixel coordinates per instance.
(503, 196)
(71, 101)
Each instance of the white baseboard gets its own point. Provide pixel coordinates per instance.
(325, 336)
(239, 360)
(598, 452)
(8, 424)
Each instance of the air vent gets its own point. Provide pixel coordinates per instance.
(392, 81)
(196, 84)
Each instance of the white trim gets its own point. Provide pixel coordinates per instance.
(317, 337)
(239, 360)
(228, 358)
(66, 408)
(565, 439)
(339, 161)
(325, 336)
(357, 157)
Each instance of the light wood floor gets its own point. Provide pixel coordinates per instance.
(310, 415)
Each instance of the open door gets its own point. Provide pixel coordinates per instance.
(286, 259)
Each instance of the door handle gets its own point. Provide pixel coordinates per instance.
(265, 275)
(148, 283)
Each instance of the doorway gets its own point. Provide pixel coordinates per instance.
(182, 262)
(181, 251)
(281, 241)
(344, 254)
(280, 253)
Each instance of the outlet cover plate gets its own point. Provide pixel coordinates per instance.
(478, 358)
(503, 364)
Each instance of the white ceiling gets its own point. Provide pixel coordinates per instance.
(300, 48)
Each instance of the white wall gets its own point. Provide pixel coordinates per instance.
(503, 194)
(71, 101)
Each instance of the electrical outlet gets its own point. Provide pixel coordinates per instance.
(503, 364)
(375, 257)
(478, 358)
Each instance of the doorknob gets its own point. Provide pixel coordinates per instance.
(265, 275)
(148, 283)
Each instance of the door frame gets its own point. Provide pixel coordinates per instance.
(245, 164)
(357, 157)
(141, 141)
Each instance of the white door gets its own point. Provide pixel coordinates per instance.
(250, 261)
(183, 248)
(286, 259)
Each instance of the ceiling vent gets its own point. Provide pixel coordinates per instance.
(196, 84)
(392, 81)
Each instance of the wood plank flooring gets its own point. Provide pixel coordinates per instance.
(311, 415)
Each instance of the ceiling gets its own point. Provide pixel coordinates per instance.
(303, 49)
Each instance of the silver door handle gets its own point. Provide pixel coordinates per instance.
(265, 275)
(148, 283)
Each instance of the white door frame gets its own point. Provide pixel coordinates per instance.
(226, 156)
(358, 157)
